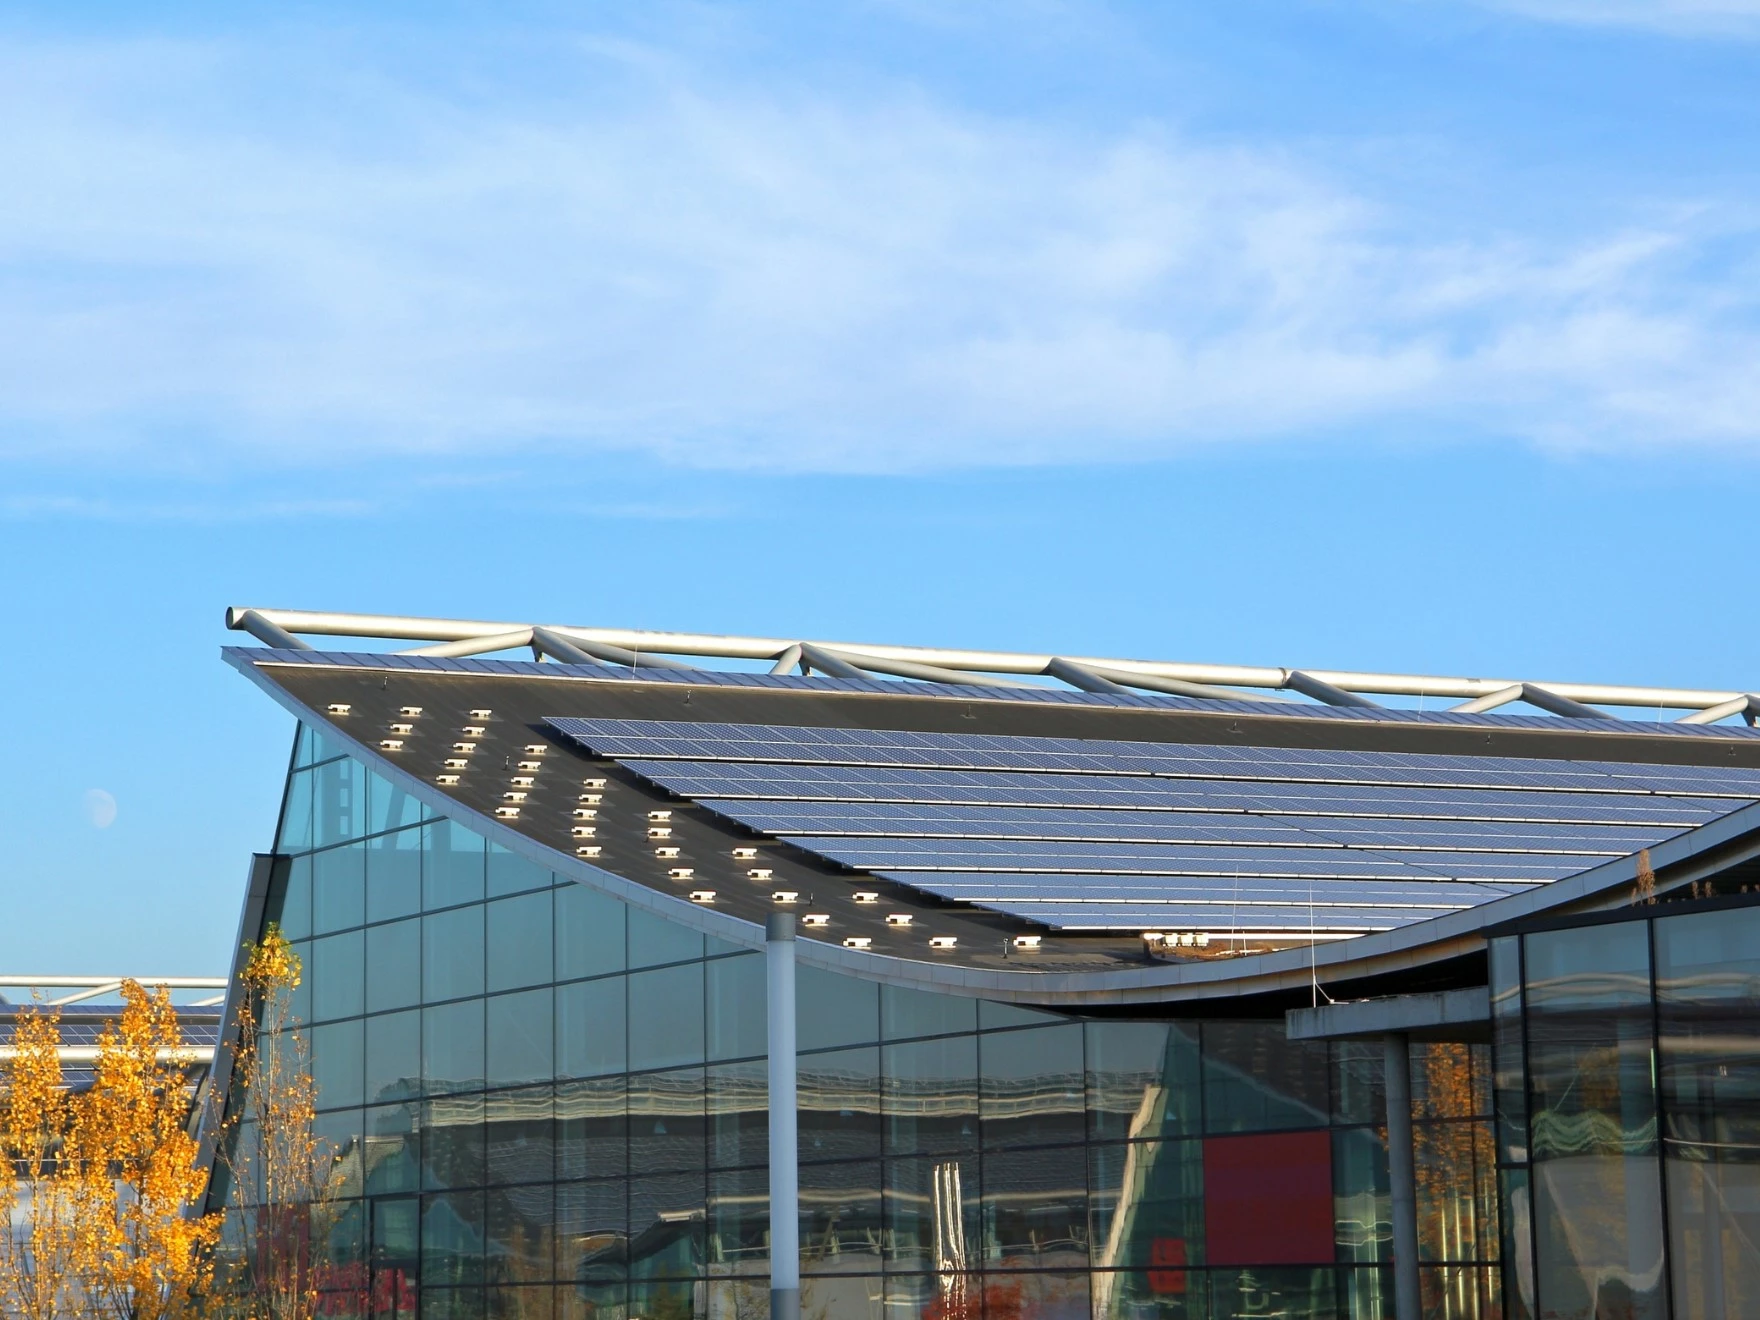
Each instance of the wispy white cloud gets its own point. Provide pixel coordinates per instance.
(745, 275)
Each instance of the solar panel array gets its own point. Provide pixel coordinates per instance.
(1081, 834)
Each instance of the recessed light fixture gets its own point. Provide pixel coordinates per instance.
(536, 749)
(702, 895)
(391, 744)
(456, 763)
(473, 731)
(681, 873)
(586, 813)
(513, 795)
(529, 767)
(592, 783)
(481, 714)
(403, 728)
(745, 854)
(338, 708)
(786, 896)
(591, 799)
(898, 918)
(866, 896)
(666, 854)
(1027, 941)
(409, 712)
(857, 942)
(585, 832)
(507, 813)
(942, 941)
(760, 873)
(816, 920)
(658, 816)
(465, 747)
(522, 781)
(591, 850)
(660, 832)
(446, 781)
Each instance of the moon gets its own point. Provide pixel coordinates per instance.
(100, 808)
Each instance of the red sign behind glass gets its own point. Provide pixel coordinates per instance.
(1167, 1260)
(1268, 1199)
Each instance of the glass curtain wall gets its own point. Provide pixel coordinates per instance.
(1628, 1101)
(544, 1104)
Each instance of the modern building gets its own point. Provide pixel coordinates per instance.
(1122, 988)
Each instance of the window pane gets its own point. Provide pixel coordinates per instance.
(1362, 1204)
(452, 1046)
(337, 1064)
(509, 873)
(666, 1017)
(1256, 1078)
(518, 1027)
(1359, 1082)
(339, 802)
(992, 1015)
(295, 834)
(336, 973)
(520, 1241)
(654, 940)
(393, 1161)
(1031, 1092)
(1045, 1295)
(394, 1056)
(1172, 1295)
(1142, 1080)
(736, 1006)
(290, 897)
(666, 1220)
(739, 1231)
(519, 940)
(592, 1128)
(840, 1218)
(1036, 1208)
(739, 1114)
(590, 1028)
(339, 888)
(452, 953)
(592, 1233)
(834, 1010)
(1442, 1080)
(1309, 1293)
(389, 807)
(931, 1095)
(394, 875)
(520, 1136)
(452, 1239)
(1147, 1204)
(838, 1101)
(666, 1121)
(452, 1142)
(589, 932)
(1445, 1162)
(905, 1012)
(1590, 968)
(1598, 1232)
(932, 1214)
(394, 965)
(452, 865)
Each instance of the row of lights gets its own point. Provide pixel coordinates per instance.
(1177, 939)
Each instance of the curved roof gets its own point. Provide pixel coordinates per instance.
(1019, 842)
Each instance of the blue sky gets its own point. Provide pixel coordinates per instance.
(1401, 334)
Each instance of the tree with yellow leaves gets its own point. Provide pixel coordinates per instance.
(143, 1250)
(283, 1176)
(38, 1276)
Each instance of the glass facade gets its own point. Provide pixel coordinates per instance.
(546, 1104)
(1628, 1105)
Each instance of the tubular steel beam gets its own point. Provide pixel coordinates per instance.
(1318, 688)
(829, 662)
(649, 644)
(785, 1251)
(560, 648)
(270, 634)
(506, 641)
(1746, 705)
(790, 657)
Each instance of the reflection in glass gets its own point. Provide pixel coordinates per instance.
(519, 1236)
(509, 873)
(666, 1226)
(1257, 1079)
(1167, 1295)
(389, 807)
(452, 1238)
(335, 968)
(393, 1148)
(1362, 1195)
(1359, 1082)
(338, 1064)
(452, 1046)
(931, 1095)
(589, 932)
(518, 934)
(734, 1003)
(840, 1218)
(452, 1142)
(739, 1114)
(452, 865)
(590, 1028)
(739, 1223)
(519, 1136)
(666, 1123)
(932, 1214)
(1035, 1208)
(654, 940)
(905, 1012)
(519, 1045)
(452, 954)
(295, 831)
(1147, 1204)
(1045, 1295)
(666, 1017)
(290, 897)
(1142, 1080)
(1277, 1290)
(592, 1128)
(394, 1056)
(339, 802)
(339, 888)
(394, 965)
(592, 1237)
(838, 1097)
(832, 1010)
(1031, 1086)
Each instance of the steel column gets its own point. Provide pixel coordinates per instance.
(1402, 1176)
(785, 1251)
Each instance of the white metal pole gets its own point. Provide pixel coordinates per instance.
(785, 1251)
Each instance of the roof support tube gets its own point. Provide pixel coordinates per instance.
(270, 634)
(874, 664)
(1747, 706)
(789, 658)
(505, 641)
(1309, 686)
(613, 655)
(560, 648)
(1546, 699)
(1122, 680)
(1078, 677)
(828, 662)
